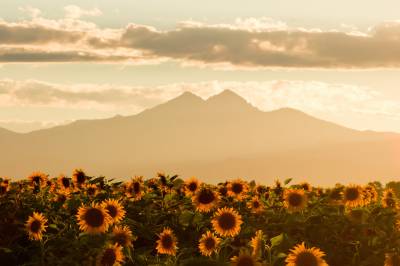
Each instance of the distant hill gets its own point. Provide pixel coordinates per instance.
(221, 137)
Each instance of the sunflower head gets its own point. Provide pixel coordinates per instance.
(79, 177)
(64, 182)
(244, 259)
(114, 209)
(191, 186)
(389, 202)
(135, 188)
(167, 243)
(372, 193)
(237, 189)
(353, 196)
(306, 186)
(36, 226)
(222, 190)
(255, 205)
(295, 199)
(111, 256)
(302, 256)
(227, 222)
(62, 195)
(122, 236)
(208, 244)
(93, 219)
(38, 179)
(205, 199)
(389, 193)
(257, 243)
(91, 190)
(335, 196)
(4, 186)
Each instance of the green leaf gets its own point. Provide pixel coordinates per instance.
(287, 181)
(277, 240)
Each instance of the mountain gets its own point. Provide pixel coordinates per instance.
(218, 138)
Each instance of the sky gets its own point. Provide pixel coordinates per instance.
(66, 60)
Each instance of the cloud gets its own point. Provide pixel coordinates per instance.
(246, 43)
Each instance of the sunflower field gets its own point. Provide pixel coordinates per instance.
(166, 220)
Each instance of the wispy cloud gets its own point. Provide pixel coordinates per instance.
(248, 42)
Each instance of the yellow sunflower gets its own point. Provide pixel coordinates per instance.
(295, 199)
(114, 209)
(353, 196)
(36, 226)
(91, 190)
(62, 195)
(302, 256)
(389, 199)
(372, 193)
(392, 259)
(306, 186)
(208, 244)
(205, 199)
(38, 179)
(245, 259)
(4, 186)
(227, 222)
(122, 236)
(79, 177)
(64, 182)
(191, 186)
(135, 188)
(255, 205)
(167, 243)
(93, 219)
(111, 256)
(257, 243)
(237, 189)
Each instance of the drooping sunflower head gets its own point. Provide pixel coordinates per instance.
(257, 243)
(191, 186)
(209, 243)
(38, 179)
(114, 209)
(389, 202)
(79, 177)
(295, 199)
(122, 236)
(167, 242)
(227, 222)
(244, 259)
(237, 188)
(260, 189)
(93, 219)
(111, 256)
(306, 186)
(135, 188)
(36, 226)
(392, 259)
(372, 193)
(205, 199)
(64, 182)
(353, 196)
(255, 205)
(300, 255)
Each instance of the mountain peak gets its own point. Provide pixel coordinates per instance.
(228, 98)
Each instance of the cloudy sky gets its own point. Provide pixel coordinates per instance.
(66, 60)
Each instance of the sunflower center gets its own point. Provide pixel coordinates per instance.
(227, 221)
(352, 193)
(91, 190)
(80, 178)
(36, 179)
(237, 188)
(256, 204)
(65, 182)
(121, 239)
(192, 186)
(35, 226)
(94, 217)
(136, 187)
(245, 261)
(167, 241)
(109, 257)
(295, 199)
(209, 243)
(223, 191)
(306, 259)
(112, 210)
(206, 196)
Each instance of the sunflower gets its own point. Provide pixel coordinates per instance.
(38, 179)
(392, 259)
(114, 209)
(93, 219)
(353, 196)
(244, 259)
(222, 190)
(64, 182)
(135, 188)
(295, 199)
(91, 190)
(302, 256)
(237, 189)
(62, 195)
(257, 242)
(122, 236)
(191, 186)
(208, 244)
(335, 196)
(111, 256)
(260, 189)
(205, 199)
(167, 243)
(79, 177)
(372, 193)
(36, 226)
(255, 205)
(389, 199)
(306, 186)
(227, 222)
(4, 186)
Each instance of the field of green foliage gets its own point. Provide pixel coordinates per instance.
(166, 220)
